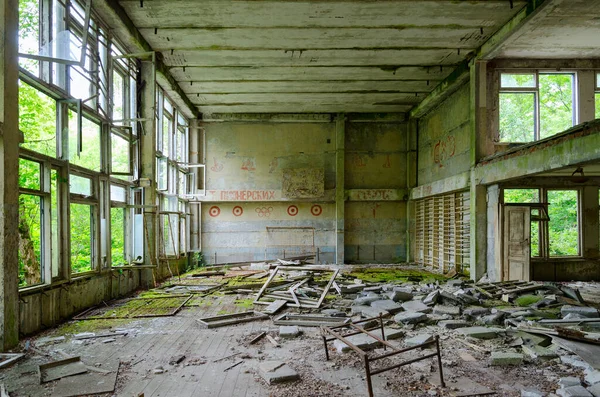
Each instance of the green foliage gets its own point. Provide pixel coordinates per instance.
(526, 300)
(29, 33)
(117, 236)
(563, 227)
(81, 238)
(37, 120)
(598, 105)
(518, 109)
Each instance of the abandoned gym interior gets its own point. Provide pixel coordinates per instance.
(300, 198)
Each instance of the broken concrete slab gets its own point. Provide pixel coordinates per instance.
(569, 381)
(539, 353)
(289, 331)
(595, 390)
(480, 332)
(432, 297)
(418, 340)
(366, 300)
(506, 358)
(492, 319)
(357, 309)
(410, 317)
(585, 311)
(369, 311)
(574, 391)
(399, 296)
(277, 372)
(387, 305)
(475, 311)
(446, 309)
(533, 339)
(365, 342)
(416, 306)
(530, 392)
(453, 324)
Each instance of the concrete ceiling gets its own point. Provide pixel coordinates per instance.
(565, 29)
(318, 56)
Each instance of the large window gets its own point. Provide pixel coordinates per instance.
(534, 105)
(528, 196)
(173, 177)
(78, 115)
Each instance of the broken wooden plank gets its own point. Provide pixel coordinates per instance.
(226, 357)
(273, 341)
(233, 366)
(10, 358)
(275, 306)
(257, 338)
(231, 319)
(60, 369)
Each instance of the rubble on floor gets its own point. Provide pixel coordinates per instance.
(548, 328)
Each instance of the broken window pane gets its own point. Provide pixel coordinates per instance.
(30, 240)
(556, 103)
(117, 97)
(508, 80)
(82, 242)
(563, 227)
(117, 193)
(37, 120)
(598, 105)
(517, 116)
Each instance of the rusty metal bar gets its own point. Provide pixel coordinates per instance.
(439, 358)
(350, 345)
(402, 364)
(404, 350)
(378, 339)
(368, 376)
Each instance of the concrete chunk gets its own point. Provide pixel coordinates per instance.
(399, 296)
(533, 339)
(387, 305)
(277, 372)
(475, 311)
(366, 300)
(416, 306)
(480, 332)
(529, 392)
(445, 309)
(595, 390)
(453, 324)
(539, 353)
(588, 312)
(569, 381)
(369, 311)
(418, 340)
(506, 358)
(432, 297)
(365, 342)
(574, 391)
(410, 317)
(289, 331)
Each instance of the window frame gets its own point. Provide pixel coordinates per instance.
(536, 91)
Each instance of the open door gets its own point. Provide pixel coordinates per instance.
(517, 231)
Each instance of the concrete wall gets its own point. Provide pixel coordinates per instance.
(272, 175)
(444, 138)
(267, 175)
(376, 158)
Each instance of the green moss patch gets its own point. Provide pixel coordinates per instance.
(384, 275)
(526, 300)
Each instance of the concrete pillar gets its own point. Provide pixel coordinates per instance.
(481, 143)
(9, 175)
(586, 88)
(411, 182)
(494, 232)
(195, 158)
(148, 170)
(478, 229)
(340, 143)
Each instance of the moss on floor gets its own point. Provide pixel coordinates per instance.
(526, 300)
(384, 275)
(244, 303)
(79, 326)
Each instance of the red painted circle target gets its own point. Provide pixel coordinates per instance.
(292, 210)
(237, 210)
(316, 210)
(214, 211)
